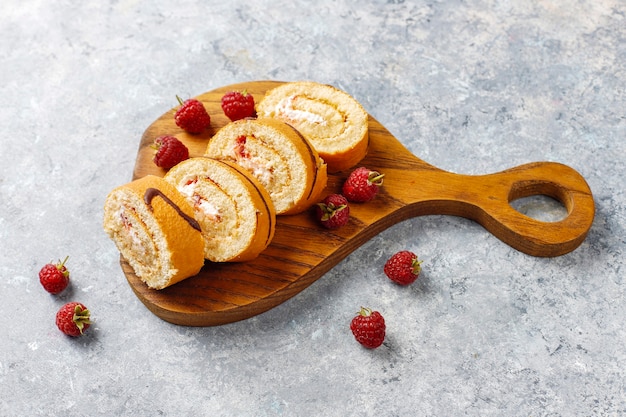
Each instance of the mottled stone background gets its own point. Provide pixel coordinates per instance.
(470, 86)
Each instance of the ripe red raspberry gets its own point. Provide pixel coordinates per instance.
(368, 327)
(362, 185)
(403, 267)
(192, 116)
(55, 277)
(73, 319)
(333, 212)
(170, 151)
(238, 105)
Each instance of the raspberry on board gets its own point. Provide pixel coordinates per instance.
(362, 185)
(169, 151)
(192, 116)
(333, 211)
(238, 105)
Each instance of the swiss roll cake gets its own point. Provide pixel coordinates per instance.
(154, 228)
(235, 212)
(332, 120)
(278, 156)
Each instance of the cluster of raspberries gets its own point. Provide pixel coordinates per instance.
(73, 318)
(193, 118)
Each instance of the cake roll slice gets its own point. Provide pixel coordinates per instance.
(332, 120)
(234, 210)
(154, 228)
(278, 156)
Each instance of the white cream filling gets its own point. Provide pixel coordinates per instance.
(207, 208)
(136, 243)
(286, 108)
(261, 170)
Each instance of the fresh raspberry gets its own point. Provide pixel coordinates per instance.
(333, 212)
(362, 185)
(55, 277)
(368, 327)
(170, 151)
(238, 105)
(73, 319)
(192, 116)
(403, 267)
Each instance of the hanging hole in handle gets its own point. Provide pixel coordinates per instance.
(541, 200)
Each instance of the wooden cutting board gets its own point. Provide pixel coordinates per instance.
(302, 251)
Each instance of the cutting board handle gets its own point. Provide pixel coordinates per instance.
(487, 200)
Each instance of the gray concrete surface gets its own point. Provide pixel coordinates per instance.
(472, 86)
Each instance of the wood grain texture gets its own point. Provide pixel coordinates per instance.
(302, 251)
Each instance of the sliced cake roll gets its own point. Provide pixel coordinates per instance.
(154, 229)
(234, 210)
(332, 120)
(278, 156)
